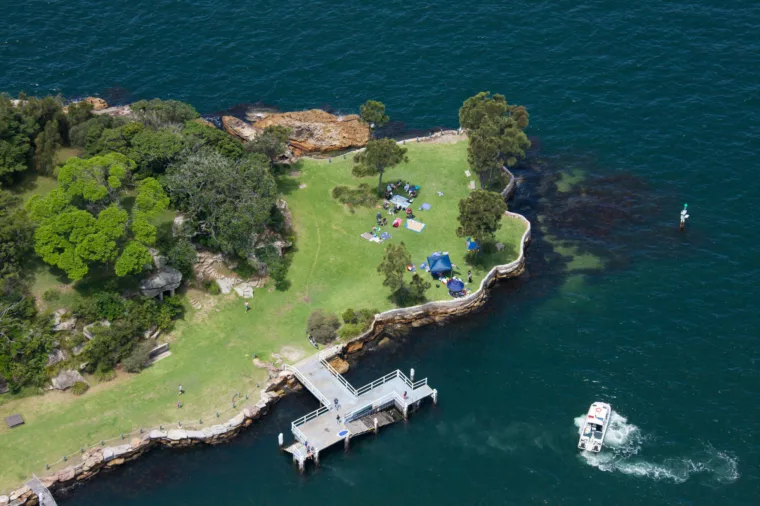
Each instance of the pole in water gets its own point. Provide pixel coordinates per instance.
(345, 443)
(375, 422)
(684, 215)
(435, 396)
(280, 439)
(411, 374)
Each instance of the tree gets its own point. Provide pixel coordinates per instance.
(25, 342)
(272, 142)
(377, 157)
(182, 256)
(151, 149)
(81, 222)
(198, 135)
(16, 237)
(16, 132)
(158, 113)
(417, 288)
(228, 202)
(480, 215)
(322, 326)
(496, 133)
(46, 144)
(373, 114)
(393, 267)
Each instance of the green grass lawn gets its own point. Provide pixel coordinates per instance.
(333, 268)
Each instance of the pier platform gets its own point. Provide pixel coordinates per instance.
(346, 411)
(44, 497)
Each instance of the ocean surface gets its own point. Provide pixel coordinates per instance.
(636, 108)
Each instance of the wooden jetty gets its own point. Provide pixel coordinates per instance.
(347, 412)
(44, 496)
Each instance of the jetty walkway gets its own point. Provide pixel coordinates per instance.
(346, 411)
(44, 496)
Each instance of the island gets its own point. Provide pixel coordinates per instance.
(165, 269)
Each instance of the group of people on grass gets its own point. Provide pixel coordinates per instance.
(395, 189)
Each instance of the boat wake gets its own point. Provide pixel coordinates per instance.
(624, 441)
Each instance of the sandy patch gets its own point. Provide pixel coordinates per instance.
(292, 354)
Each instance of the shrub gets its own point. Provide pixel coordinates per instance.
(51, 295)
(104, 375)
(349, 316)
(362, 195)
(79, 388)
(211, 287)
(366, 316)
(182, 256)
(350, 330)
(322, 326)
(136, 361)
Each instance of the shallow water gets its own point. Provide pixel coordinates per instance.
(645, 106)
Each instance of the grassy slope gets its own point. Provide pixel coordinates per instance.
(333, 268)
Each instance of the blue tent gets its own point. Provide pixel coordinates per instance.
(472, 245)
(455, 285)
(439, 263)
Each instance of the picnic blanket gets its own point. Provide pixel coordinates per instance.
(367, 235)
(385, 235)
(400, 201)
(415, 225)
(425, 207)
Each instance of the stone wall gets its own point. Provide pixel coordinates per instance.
(439, 311)
(95, 460)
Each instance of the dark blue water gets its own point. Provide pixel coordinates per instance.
(657, 103)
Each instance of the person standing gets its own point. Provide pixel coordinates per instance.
(247, 306)
(181, 390)
(469, 276)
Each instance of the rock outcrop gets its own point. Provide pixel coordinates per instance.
(339, 365)
(60, 322)
(239, 128)
(166, 279)
(98, 104)
(88, 329)
(317, 131)
(66, 379)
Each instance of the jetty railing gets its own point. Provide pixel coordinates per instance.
(309, 385)
(375, 406)
(338, 376)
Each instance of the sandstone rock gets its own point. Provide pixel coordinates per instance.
(98, 104)
(120, 450)
(354, 347)
(195, 434)
(178, 224)
(66, 379)
(48, 481)
(78, 349)
(203, 121)
(340, 365)
(177, 434)
(239, 128)
(116, 462)
(384, 342)
(244, 289)
(59, 323)
(16, 494)
(158, 259)
(214, 430)
(55, 357)
(157, 434)
(93, 461)
(164, 280)
(119, 110)
(317, 131)
(226, 284)
(88, 329)
(67, 474)
(4, 500)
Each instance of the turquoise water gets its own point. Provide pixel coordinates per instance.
(655, 104)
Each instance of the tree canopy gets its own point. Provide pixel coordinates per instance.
(272, 142)
(480, 215)
(496, 131)
(16, 240)
(157, 112)
(82, 222)
(228, 202)
(377, 157)
(393, 266)
(372, 112)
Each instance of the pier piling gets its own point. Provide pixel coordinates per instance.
(376, 427)
(435, 397)
(280, 440)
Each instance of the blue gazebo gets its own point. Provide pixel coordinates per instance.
(439, 263)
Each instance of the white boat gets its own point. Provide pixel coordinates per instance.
(595, 427)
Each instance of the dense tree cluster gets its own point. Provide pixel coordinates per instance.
(480, 215)
(393, 267)
(496, 133)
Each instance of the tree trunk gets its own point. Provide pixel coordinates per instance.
(380, 184)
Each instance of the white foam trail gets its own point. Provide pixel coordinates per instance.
(624, 441)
